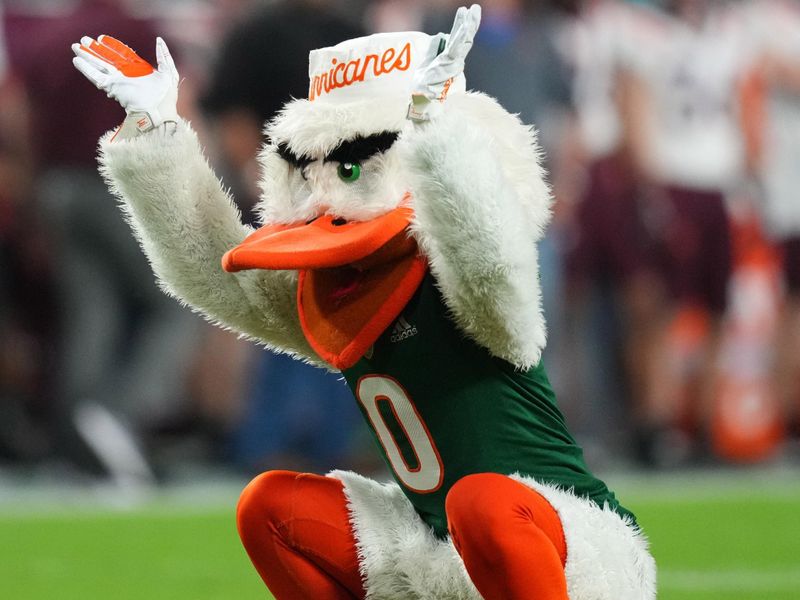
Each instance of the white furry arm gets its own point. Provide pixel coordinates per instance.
(185, 222)
(481, 205)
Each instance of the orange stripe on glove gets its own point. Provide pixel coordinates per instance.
(114, 52)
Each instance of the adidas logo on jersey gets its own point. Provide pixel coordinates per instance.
(402, 330)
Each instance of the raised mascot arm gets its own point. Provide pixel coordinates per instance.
(179, 211)
(481, 204)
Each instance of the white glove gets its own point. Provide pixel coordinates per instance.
(434, 76)
(148, 96)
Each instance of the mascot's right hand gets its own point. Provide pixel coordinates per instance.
(445, 62)
(149, 96)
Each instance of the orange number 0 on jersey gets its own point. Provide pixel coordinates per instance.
(427, 476)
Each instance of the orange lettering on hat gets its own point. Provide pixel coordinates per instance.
(343, 74)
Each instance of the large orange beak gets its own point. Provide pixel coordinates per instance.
(323, 243)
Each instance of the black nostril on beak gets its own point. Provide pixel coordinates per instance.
(339, 222)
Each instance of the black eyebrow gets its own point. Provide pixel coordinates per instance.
(293, 159)
(361, 148)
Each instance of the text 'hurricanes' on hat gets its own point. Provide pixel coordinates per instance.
(378, 65)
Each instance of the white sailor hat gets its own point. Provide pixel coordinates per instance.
(358, 87)
(379, 65)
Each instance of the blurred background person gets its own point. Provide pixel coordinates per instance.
(28, 312)
(686, 114)
(262, 63)
(123, 343)
(29, 315)
(610, 304)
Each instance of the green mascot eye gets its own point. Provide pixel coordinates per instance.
(349, 172)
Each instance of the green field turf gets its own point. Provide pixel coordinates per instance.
(742, 545)
(714, 538)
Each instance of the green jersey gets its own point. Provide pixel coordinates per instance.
(440, 407)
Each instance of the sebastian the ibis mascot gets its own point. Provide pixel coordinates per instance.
(400, 219)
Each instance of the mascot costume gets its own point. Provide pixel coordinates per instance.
(400, 220)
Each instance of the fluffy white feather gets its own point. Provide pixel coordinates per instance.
(481, 204)
(291, 196)
(400, 558)
(185, 222)
(315, 128)
(607, 556)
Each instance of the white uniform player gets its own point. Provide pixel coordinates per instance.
(606, 37)
(693, 70)
(775, 29)
(605, 241)
(686, 129)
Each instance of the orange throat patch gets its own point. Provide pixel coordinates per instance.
(344, 310)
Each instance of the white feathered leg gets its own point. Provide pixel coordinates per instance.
(401, 559)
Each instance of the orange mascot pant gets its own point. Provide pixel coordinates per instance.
(509, 537)
(296, 530)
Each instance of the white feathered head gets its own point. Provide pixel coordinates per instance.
(346, 175)
(335, 156)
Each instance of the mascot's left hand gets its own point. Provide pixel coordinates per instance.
(434, 76)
